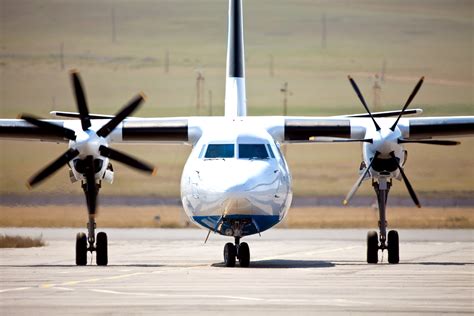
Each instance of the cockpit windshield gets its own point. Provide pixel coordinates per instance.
(220, 151)
(253, 151)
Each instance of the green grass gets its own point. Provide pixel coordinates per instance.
(415, 38)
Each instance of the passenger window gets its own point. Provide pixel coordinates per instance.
(270, 151)
(253, 151)
(220, 151)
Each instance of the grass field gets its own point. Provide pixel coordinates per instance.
(7, 241)
(174, 217)
(414, 38)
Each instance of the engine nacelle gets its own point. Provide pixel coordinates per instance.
(101, 166)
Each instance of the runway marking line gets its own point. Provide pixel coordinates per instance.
(244, 298)
(15, 289)
(115, 277)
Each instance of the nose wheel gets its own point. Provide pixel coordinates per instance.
(240, 251)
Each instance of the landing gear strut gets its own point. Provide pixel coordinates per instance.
(382, 242)
(235, 251)
(91, 243)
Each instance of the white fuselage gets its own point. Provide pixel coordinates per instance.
(242, 191)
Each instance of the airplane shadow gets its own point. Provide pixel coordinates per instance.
(284, 264)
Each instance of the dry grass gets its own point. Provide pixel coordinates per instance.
(76, 216)
(174, 217)
(400, 217)
(20, 242)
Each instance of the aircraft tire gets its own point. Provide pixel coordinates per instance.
(244, 255)
(372, 247)
(393, 247)
(230, 252)
(81, 249)
(101, 249)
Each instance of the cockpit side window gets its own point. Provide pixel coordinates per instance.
(220, 151)
(201, 153)
(253, 151)
(269, 147)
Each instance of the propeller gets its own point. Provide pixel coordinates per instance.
(53, 128)
(126, 159)
(131, 107)
(322, 139)
(361, 98)
(430, 142)
(80, 100)
(359, 181)
(410, 98)
(52, 167)
(407, 183)
(88, 166)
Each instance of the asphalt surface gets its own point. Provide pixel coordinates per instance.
(153, 271)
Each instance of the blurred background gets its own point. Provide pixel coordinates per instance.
(297, 52)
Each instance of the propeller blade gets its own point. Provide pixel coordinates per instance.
(105, 130)
(53, 128)
(430, 142)
(407, 183)
(80, 100)
(361, 98)
(91, 187)
(318, 139)
(52, 167)
(410, 98)
(126, 159)
(359, 182)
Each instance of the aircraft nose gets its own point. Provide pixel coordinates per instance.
(245, 188)
(241, 179)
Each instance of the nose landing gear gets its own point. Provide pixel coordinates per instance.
(91, 243)
(235, 251)
(390, 241)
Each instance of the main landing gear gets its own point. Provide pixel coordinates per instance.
(390, 241)
(235, 251)
(91, 242)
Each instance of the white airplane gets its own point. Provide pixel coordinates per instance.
(236, 181)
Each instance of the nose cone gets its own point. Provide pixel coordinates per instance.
(385, 141)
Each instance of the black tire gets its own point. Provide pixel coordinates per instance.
(393, 247)
(230, 253)
(372, 247)
(101, 249)
(81, 249)
(244, 255)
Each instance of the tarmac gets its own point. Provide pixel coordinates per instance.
(304, 272)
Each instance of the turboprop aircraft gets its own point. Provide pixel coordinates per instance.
(236, 181)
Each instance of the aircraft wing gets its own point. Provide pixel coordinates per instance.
(309, 129)
(130, 130)
(454, 126)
